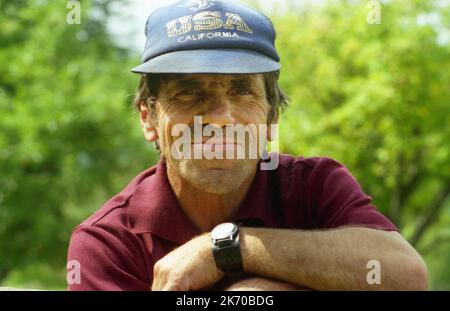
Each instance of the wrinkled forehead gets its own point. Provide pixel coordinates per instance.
(212, 80)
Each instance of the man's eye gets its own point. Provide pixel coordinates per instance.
(241, 92)
(193, 92)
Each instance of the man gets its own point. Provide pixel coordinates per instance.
(210, 215)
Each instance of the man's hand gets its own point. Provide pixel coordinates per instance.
(189, 267)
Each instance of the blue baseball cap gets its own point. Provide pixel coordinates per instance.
(208, 36)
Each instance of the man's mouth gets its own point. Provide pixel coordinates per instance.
(217, 145)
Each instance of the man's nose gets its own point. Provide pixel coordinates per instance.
(220, 111)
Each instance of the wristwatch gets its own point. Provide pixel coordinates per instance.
(226, 248)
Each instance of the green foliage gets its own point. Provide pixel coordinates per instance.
(68, 137)
(375, 97)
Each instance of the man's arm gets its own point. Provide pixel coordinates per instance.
(107, 258)
(321, 260)
(333, 259)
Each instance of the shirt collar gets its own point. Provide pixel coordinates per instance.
(154, 208)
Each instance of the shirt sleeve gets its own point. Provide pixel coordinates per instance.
(340, 200)
(106, 260)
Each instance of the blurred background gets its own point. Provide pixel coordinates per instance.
(370, 90)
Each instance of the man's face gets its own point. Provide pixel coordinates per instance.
(223, 102)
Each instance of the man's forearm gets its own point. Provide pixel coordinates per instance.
(332, 259)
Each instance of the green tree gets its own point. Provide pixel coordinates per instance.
(68, 139)
(375, 97)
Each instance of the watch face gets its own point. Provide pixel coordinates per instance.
(223, 230)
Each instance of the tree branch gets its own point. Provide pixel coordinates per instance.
(439, 240)
(436, 207)
(413, 180)
(396, 196)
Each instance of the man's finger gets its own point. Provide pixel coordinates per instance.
(172, 287)
(158, 282)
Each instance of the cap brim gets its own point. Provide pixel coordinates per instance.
(224, 61)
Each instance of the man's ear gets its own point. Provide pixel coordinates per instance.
(147, 123)
(273, 123)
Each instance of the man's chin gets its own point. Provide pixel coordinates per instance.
(220, 164)
(218, 176)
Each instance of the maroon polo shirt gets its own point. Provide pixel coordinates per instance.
(118, 245)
